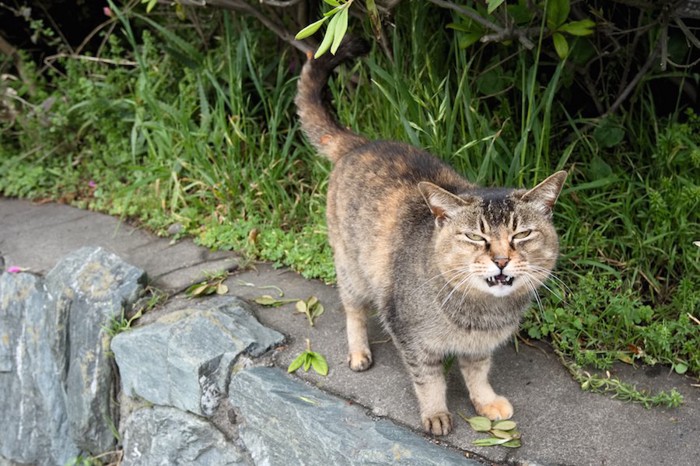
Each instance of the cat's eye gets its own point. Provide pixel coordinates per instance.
(522, 234)
(475, 237)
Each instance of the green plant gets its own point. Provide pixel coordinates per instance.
(121, 323)
(337, 27)
(311, 308)
(214, 283)
(151, 298)
(503, 433)
(621, 390)
(309, 359)
(81, 460)
(602, 322)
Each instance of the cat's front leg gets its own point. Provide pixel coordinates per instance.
(486, 402)
(431, 390)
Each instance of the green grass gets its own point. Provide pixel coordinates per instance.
(205, 136)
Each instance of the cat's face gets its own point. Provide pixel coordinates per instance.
(497, 242)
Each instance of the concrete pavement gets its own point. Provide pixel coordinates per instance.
(560, 424)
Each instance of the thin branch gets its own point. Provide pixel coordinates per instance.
(688, 33)
(108, 61)
(664, 46)
(630, 56)
(469, 14)
(281, 4)
(375, 20)
(511, 33)
(244, 7)
(500, 33)
(8, 49)
(110, 22)
(633, 83)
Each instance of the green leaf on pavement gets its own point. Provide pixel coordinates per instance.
(504, 425)
(490, 442)
(479, 423)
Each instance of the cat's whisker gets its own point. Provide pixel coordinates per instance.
(456, 287)
(465, 294)
(439, 275)
(552, 276)
(544, 285)
(533, 291)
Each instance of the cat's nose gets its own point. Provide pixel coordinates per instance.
(501, 261)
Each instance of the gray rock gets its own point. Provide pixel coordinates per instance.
(184, 359)
(91, 287)
(167, 436)
(35, 428)
(285, 422)
(55, 375)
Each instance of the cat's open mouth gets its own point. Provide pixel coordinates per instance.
(500, 279)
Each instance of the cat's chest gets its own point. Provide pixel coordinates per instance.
(458, 331)
(451, 339)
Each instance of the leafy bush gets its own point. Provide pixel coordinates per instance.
(602, 322)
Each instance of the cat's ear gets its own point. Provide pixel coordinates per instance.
(546, 193)
(443, 204)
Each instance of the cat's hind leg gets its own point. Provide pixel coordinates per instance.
(359, 353)
(356, 312)
(486, 402)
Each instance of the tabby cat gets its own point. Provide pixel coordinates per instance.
(449, 266)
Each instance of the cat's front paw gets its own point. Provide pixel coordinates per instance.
(500, 408)
(438, 423)
(360, 360)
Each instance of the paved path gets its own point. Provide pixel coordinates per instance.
(560, 423)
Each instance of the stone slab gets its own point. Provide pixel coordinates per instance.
(183, 439)
(285, 422)
(184, 358)
(35, 424)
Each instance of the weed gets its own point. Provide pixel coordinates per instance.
(81, 460)
(213, 283)
(603, 321)
(311, 308)
(151, 298)
(121, 323)
(620, 390)
(309, 359)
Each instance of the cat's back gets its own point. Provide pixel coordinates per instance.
(388, 166)
(375, 209)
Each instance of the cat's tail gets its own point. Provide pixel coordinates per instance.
(313, 102)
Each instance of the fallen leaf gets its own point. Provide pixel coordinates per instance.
(267, 300)
(504, 425)
(501, 434)
(491, 441)
(479, 423)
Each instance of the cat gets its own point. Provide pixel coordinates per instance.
(449, 267)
